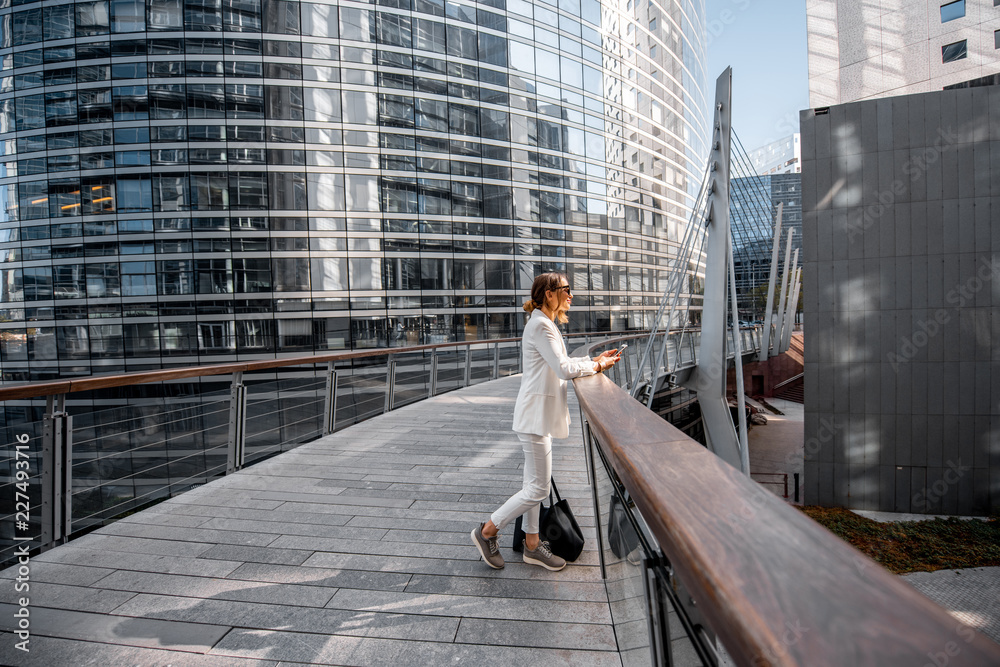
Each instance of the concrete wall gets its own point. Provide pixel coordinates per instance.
(862, 50)
(901, 243)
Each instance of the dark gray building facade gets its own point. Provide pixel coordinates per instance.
(901, 241)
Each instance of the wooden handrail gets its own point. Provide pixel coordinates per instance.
(89, 383)
(775, 586)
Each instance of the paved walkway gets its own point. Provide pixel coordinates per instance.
(776, 447)
(972, 595)
(353, 549)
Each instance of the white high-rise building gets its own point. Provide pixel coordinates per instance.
(863, 50)
(781, 156)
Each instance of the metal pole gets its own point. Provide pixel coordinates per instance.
(785, 286)
(434, 374)
(468, 365)
(708, 378)
(57, 472)
(796, 477)
(792, 307)
(588, 443)
(738, 363)
(786, 325)
(237, 423)
(496, 361)
(330, 403)
(772, 279)
(390, 384)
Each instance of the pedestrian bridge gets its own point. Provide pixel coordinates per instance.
(352, 549)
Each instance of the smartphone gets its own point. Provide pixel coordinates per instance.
(622, 349)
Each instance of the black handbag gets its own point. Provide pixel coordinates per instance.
(622, 537)
(557, 526)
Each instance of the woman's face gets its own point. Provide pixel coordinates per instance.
(562, 297)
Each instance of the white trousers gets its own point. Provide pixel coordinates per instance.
(537, 476)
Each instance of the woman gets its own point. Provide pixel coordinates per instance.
(540, 414)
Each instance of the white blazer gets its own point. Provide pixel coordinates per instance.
(541, 406)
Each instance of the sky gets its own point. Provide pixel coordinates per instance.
(765, 43)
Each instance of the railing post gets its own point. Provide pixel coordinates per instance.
(57, 472)
(628, 371)
(519, 360)
(434, 374)
(237, 423)
(390, 383)
(592, 473)
(468, 365)
(796, 476)
(496, 361)
(330, 404)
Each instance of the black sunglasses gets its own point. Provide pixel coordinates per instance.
(569, 292)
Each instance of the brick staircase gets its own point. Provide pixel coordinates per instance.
(794, 392)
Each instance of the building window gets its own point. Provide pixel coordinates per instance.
(954, 51)
(996, 36)
(952, 11)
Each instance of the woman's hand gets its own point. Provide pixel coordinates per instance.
(605, 360)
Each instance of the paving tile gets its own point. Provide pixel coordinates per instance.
(229, 552)
(264, 516)
(58, 573)
(151, 633)
(222, 500)
(300, 619)
(273, 528)
(154, 518)
(139, 545)
(139, 562)
(196, 535)
(530, 634)
(450, 567)
(522, 589)
(352, 497)
(61, 596)
(223, 589)
(48, 651)
(471, 606)
(330, 650)
(467, 552)
(317, 576)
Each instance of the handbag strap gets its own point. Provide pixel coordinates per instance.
(553, 487)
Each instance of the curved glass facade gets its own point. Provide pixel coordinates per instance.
(188, 180)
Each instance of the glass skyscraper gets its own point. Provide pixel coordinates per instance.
(185, 181)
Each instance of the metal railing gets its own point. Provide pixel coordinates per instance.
(705, 567)
(79, 471)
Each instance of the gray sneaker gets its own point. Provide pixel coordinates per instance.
(488, 548)
(543, 556)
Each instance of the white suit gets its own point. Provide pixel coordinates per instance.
(541, 407)
(540, 414)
